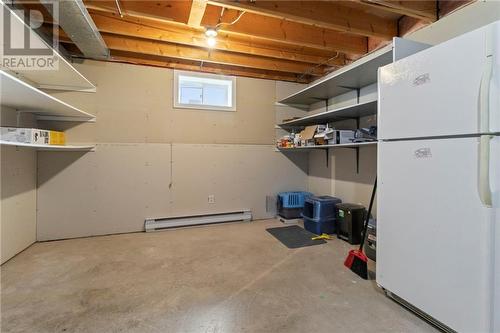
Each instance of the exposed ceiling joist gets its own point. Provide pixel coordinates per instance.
(286, 38)
(196, 13)
(420, 9)
(141, 59)
(328, 15)
(264, 28)
(177, 11)
(260, 27)
(176, 51)
(278, 30)
(168, 32)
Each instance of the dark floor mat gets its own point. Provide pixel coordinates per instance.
(294, 236)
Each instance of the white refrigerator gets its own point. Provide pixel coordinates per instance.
(438, 236)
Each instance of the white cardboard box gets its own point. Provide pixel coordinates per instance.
(25, 135)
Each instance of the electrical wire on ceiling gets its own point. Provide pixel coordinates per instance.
(119, 8)
(227, 23)
(318, 65)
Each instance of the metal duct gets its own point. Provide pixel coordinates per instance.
(79, 26)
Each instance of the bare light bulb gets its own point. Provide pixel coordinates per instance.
(211, 41)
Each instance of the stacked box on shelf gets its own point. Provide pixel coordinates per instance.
(320, 213)
(33, 136)
(290, 204)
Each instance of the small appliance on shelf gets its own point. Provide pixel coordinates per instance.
(366, 134)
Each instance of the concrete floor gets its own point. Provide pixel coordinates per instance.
(224, 278)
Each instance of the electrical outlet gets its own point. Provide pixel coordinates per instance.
(211, 199)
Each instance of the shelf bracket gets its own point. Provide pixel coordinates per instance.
(356, 150)
(327, 155)
(357, 159)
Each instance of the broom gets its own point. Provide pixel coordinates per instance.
(356, 261)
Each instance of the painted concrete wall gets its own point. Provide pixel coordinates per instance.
(17, 191)
(156, 161)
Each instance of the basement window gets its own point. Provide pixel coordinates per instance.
(204, 91)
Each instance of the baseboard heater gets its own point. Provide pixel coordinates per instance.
(185, 221)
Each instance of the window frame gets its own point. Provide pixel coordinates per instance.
(178, 105)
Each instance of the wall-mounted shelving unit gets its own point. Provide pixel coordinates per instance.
(326, 148)
(360, 73)
(341, 145)
(348, 112)
(47, 147)
(353, 77)
(21, 96)
(21, 89)
(64, 77)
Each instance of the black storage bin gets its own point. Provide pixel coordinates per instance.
(350, 221)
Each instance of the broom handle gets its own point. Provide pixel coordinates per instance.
(365, 227)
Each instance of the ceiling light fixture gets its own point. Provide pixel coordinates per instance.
(211, 33)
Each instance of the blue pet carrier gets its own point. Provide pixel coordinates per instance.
(319, 214)
(290, 204)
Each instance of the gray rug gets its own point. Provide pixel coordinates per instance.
(294, 236)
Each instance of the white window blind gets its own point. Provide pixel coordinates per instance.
(204, 91)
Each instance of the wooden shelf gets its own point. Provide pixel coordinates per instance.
(347, 112)
(343, 145)
(47, 147)
(360, 73)
(65, 77)
(21, 96)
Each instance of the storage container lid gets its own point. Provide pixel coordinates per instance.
(325, 198)
(349, 206)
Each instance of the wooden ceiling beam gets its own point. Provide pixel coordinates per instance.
(259, 27)
(176, 51)
(279, 30)
(167, 32)
(177, 11)
(196, 13)
(425, 10)
(190, 65)
(328, 15)
(141, 59)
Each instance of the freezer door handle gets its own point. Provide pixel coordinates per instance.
(484, 170)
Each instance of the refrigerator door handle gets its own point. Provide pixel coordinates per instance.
(484, 86)
(484, 170)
